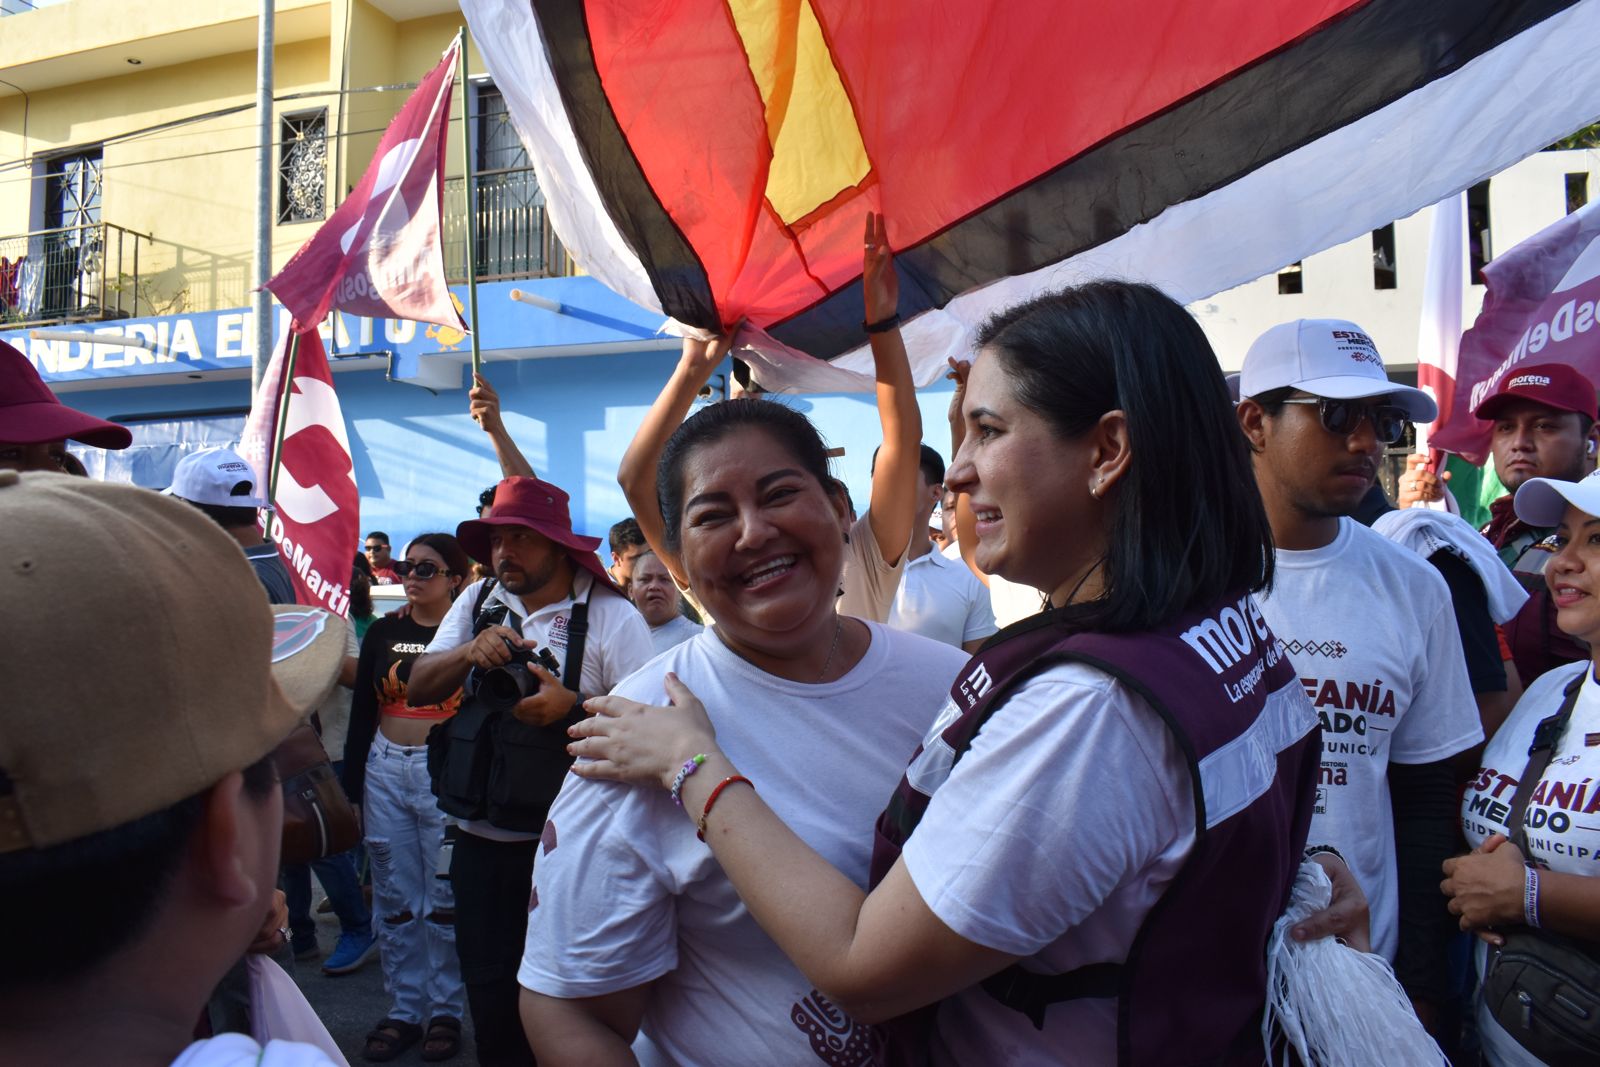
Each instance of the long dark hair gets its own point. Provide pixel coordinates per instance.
(1187, 525)
(788, 427)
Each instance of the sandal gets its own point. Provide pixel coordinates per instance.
(388, 1039)
(443, 1039)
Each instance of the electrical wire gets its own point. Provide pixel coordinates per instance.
(332, 137)
(224, 112)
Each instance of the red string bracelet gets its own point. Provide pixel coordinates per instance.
(712, 799)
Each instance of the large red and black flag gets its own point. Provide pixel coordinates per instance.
(715, 158)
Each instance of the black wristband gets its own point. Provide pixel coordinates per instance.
(883, 325)
(1317, 850)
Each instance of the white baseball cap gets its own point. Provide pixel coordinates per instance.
(210, 476)
(1542, 501)
(1330, 358)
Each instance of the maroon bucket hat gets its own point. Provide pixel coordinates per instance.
(30, 414)
(541, 507)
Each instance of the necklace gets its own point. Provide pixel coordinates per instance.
(838, 628)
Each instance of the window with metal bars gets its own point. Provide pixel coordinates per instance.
(303, 166)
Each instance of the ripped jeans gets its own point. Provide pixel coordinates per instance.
(414, 910)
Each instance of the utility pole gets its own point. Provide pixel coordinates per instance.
(261, 267)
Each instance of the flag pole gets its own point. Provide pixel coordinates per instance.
(283, 413)
(472, 218)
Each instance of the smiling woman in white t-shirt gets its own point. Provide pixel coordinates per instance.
(637, 945)
(1556, 885)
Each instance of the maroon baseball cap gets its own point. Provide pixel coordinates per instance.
(30, 414)
(541, 507)
(1552, 385)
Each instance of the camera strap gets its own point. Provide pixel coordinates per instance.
(577, 631)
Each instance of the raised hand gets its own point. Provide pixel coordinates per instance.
(879, 284)
(1418, 485)
(485, 404)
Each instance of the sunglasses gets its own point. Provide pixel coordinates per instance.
(424, 570)
(1343, 417)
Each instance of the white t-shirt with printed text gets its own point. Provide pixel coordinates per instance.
(1563, 817)
(1371, 632)
(626, 895)
(618, 643)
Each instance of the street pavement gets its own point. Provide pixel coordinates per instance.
(350, 1004)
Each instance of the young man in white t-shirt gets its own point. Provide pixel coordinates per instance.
(938, 597)
(1368, 625)
(543, 570)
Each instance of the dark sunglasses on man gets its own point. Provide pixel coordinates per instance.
(1343, 417)
(424, 570)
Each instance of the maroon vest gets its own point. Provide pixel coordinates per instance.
(1192, 988)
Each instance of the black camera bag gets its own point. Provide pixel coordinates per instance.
(1542, 987)
(490, 765)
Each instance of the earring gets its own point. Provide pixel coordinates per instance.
(1094, 490)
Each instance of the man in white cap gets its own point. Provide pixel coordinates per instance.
(220, 483)
(140, 813)
(1368, 625)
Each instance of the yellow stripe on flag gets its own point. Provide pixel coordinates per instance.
(817, 151)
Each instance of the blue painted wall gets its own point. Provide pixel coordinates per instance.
(420, 461)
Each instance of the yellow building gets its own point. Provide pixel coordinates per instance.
(128, 134)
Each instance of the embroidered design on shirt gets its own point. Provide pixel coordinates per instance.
(837, 1039)
(1328, 649)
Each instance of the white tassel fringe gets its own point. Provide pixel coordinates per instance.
(1335, 1006)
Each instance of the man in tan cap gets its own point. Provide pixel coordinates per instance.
(140, 813)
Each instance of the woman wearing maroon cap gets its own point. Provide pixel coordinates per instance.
(35, 427)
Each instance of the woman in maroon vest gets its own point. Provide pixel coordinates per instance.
(1086, 855)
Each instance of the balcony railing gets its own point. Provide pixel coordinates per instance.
(73, 274)
(514, 235)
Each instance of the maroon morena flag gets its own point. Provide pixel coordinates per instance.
(316, 506)
(379, 255)
(1539, 306)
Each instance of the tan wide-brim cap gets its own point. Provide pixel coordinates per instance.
(140, 662)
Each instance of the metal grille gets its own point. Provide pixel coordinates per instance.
(303, 167)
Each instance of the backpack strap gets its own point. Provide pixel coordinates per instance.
(1546, 736)
(1031, 992)
(577, 632)
(481, 621)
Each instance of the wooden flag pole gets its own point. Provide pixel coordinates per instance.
(472, 217)
(285, 387)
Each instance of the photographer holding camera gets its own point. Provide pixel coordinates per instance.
(528, 645)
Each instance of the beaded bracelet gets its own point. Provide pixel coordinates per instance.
(690, 765)
(1530, 896)
(700, 830)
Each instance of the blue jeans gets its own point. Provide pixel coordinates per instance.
(338, 877)
(416, 908)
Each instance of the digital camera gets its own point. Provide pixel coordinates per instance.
(501, 688)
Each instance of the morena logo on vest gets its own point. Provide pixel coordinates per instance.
(1231, 635)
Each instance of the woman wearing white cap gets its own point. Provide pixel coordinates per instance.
(1532, 817)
